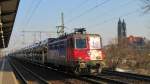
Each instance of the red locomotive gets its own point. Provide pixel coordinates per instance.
(79, 52)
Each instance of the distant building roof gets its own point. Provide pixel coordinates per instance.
(134, 40)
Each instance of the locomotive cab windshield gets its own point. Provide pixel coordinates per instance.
(80, 43)
(95, 42)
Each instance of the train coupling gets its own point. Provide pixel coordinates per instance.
(82, 65)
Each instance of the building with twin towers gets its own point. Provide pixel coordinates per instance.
(130, 40)
(121, 31)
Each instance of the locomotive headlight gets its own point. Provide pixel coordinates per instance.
(100, 53)
(89, 53)
(79, 58)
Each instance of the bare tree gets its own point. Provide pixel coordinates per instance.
(146, 6)
(128, 56)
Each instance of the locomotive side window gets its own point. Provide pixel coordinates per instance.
(80, 43)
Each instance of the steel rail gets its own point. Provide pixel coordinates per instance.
(100, 80)
(68, 74)
(91, 79)
(23, 80)
(128, 75)
(35, 75)
(106, 80)
(43, 81)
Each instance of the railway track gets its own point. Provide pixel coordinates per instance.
(17, 72)
(114, 77)
(127, 78)
(128, 75)
(90, 79)
(25, 75)
(86, 80)
(51, 75)
(102, 80)
(107, 77)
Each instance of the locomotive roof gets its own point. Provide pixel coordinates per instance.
(79, 34)
(71, 35)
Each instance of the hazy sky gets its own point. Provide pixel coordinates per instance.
(97, 16)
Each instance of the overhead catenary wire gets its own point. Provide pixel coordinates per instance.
(27, 12)
(114, 9)
(78, 6)
(33, 11)
(88, 10)
(108, 20)
(121, 5)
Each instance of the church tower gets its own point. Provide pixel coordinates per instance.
(124, 29)
(121, 31)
